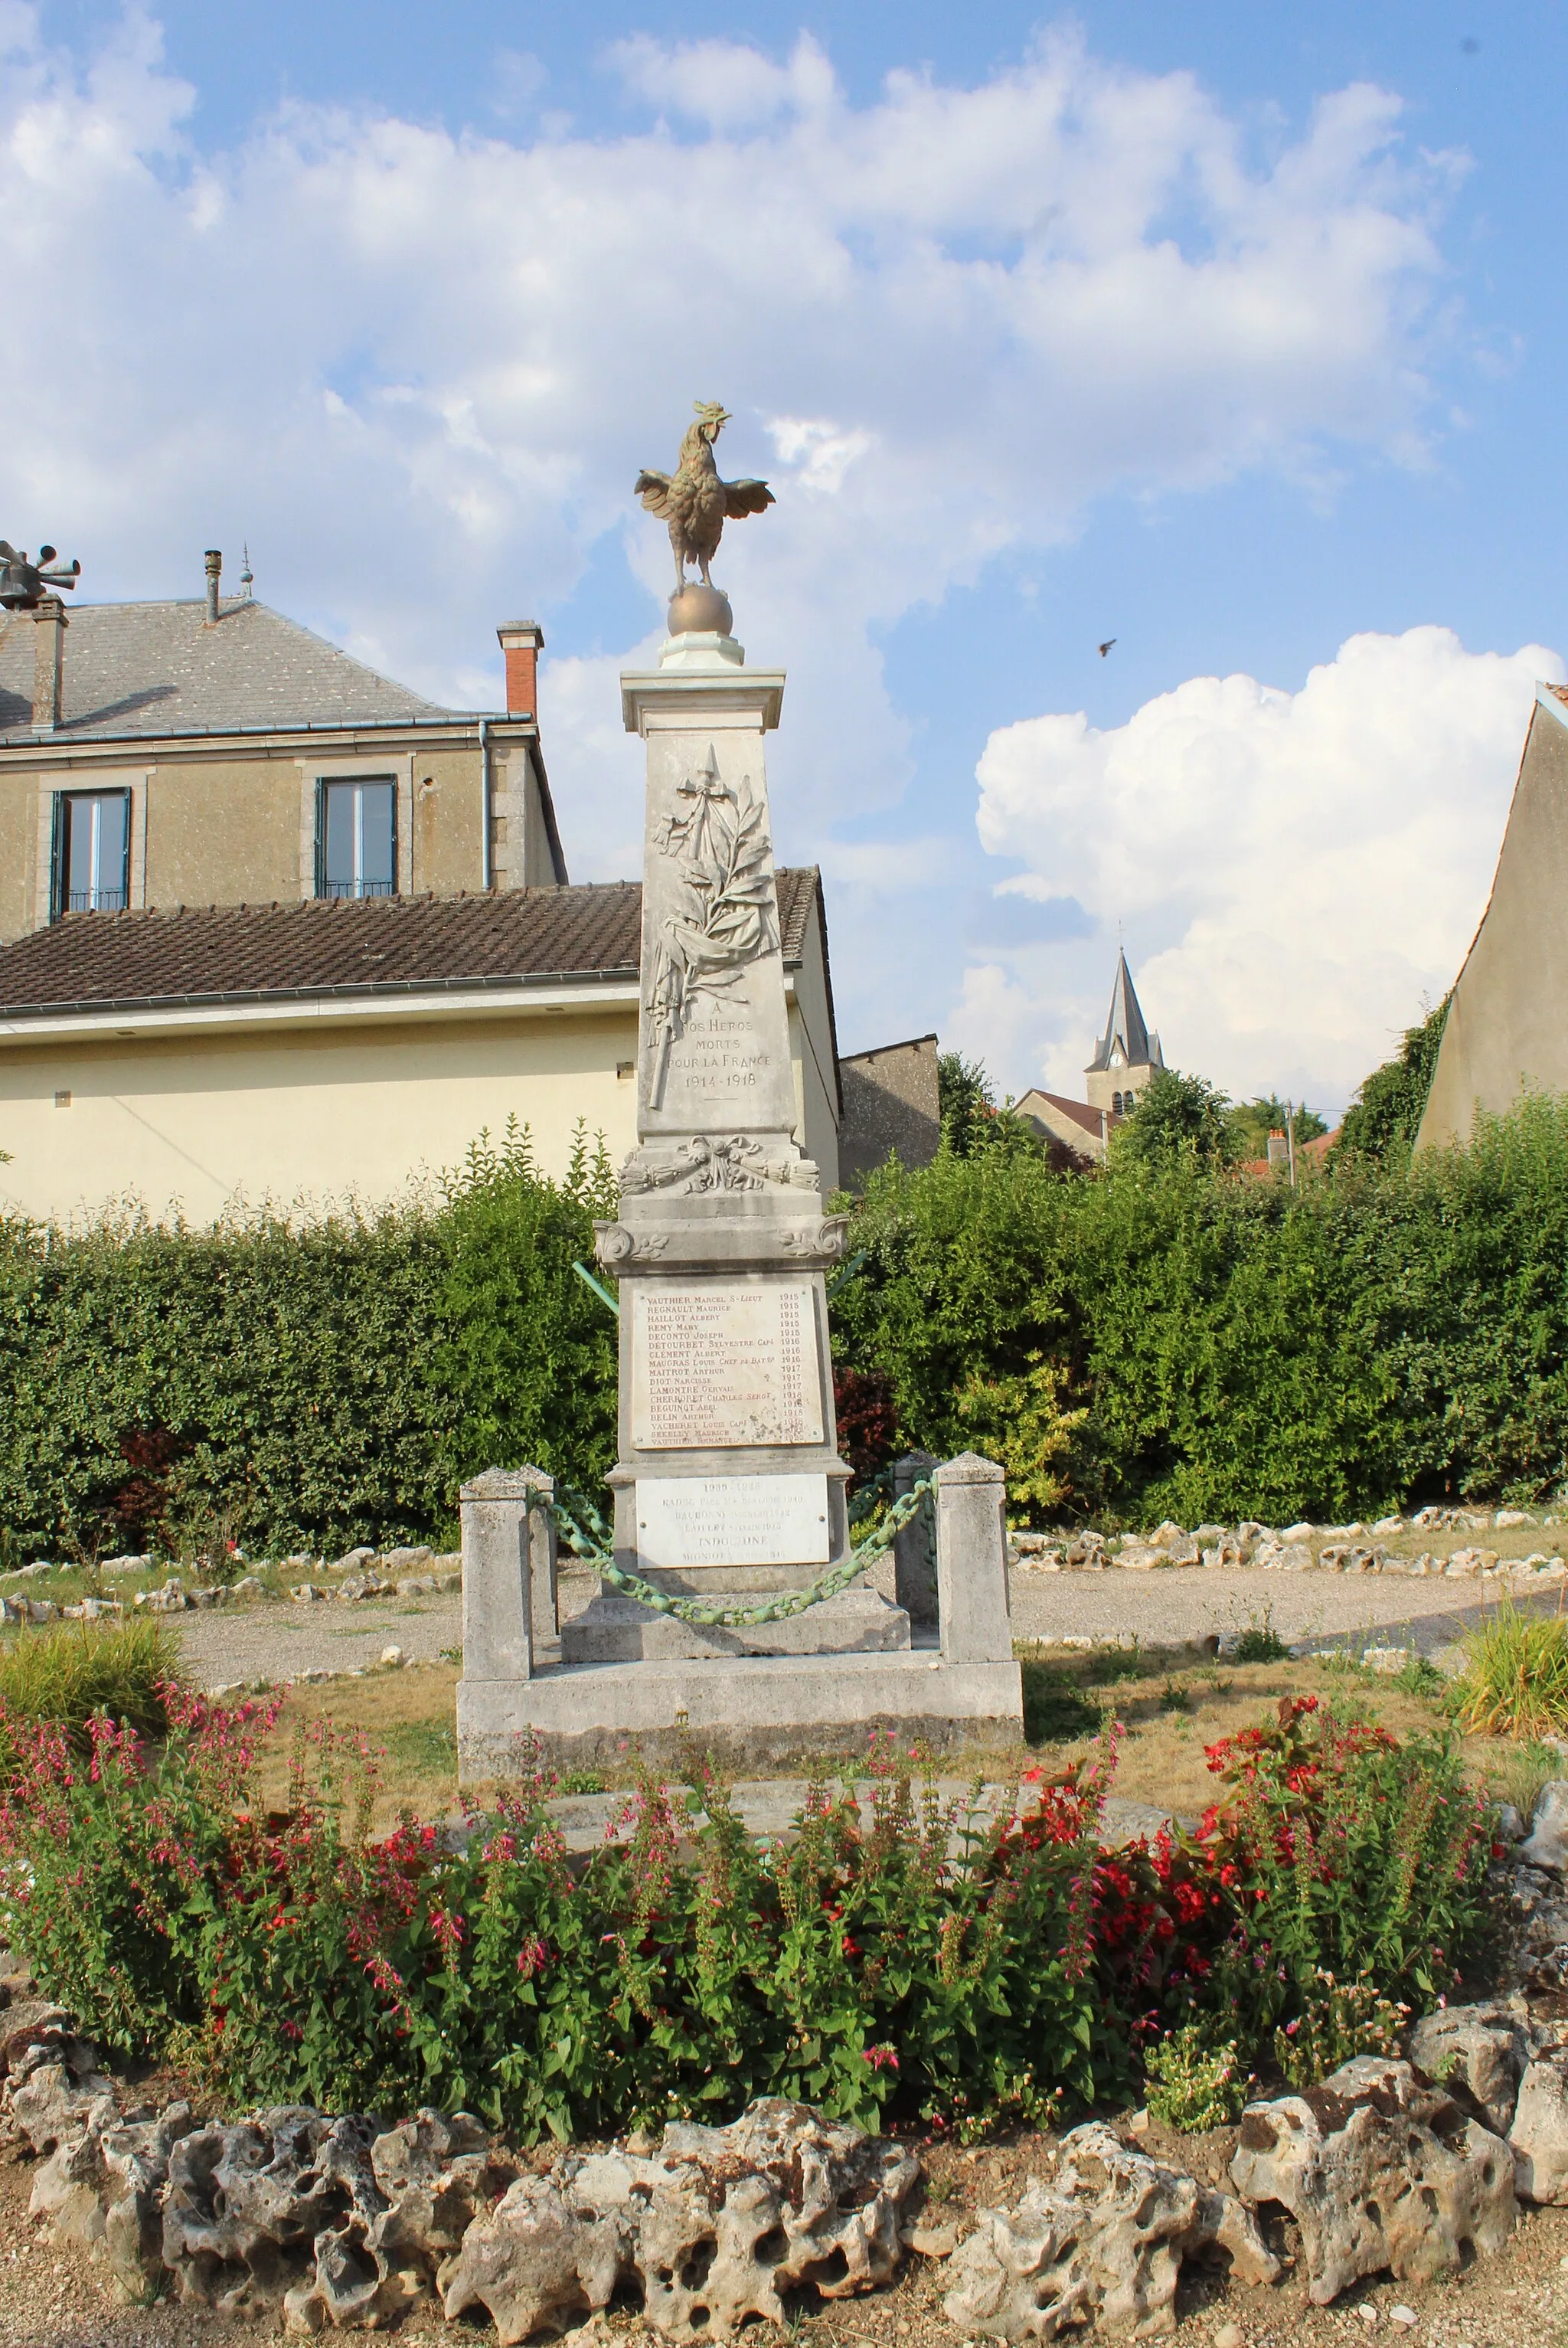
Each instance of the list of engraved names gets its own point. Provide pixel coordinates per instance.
(725, 1367)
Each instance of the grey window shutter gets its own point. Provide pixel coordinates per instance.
(124, 856)
(321, 879)
(57, 846)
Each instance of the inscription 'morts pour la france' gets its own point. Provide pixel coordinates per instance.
(717, 1367)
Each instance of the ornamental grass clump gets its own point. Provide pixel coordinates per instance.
(1515, 1681)
(66, 1675)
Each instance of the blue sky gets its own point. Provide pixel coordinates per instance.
(1233, 334)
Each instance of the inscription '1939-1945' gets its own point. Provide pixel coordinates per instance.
(726, 1366)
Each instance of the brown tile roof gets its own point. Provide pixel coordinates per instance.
(1076, 1112)
(377, 945)
(153, 669)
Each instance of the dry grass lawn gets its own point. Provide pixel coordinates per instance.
(1169, 1717)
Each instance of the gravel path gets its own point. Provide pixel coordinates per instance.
(1191, 1604)
(279, 1640)
(1169, 1609)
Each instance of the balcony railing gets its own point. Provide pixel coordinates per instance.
(96, 901)
(359, 888)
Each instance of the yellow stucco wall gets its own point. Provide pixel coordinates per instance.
(203, 1119)
(1505, 1030)
(222, 831)
(198, 1121)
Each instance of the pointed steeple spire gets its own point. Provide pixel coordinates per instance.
(1125, 1043)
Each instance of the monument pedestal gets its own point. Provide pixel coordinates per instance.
(728, 1480)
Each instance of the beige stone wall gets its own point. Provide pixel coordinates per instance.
(447, 822)
(19, 807)
(1101, 1085)
(199, 1121)
(538, 864)
(222, 831)
(1506, 1029)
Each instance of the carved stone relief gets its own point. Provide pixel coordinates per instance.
(720, 907)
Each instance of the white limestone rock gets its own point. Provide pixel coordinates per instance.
(1378, 2171)
(713, 2228)
(1547, 1845)
(1099, 2242)
(1484, 2048)
(1539, 2134)
(322, 2221)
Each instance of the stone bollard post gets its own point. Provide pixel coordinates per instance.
(913, 1576)
(508, 1572)
(972, 1560)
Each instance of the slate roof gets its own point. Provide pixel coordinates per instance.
(226, 953)
(1125, 1026)
(149, 669)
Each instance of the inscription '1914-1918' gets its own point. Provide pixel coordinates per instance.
(723, 1368)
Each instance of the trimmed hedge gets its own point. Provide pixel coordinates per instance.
(307, 1387)
(1163, 1339)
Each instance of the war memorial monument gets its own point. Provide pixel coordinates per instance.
(733, 1610)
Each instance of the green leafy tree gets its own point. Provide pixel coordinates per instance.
(1177, 1116)
(1386, 1116)
(967, 1103)
(1249, 1124)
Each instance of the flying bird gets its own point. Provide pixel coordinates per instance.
(695, 501)
(1106, 646)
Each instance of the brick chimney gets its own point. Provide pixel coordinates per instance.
(522, 640)
(48, 648)
(214, 560)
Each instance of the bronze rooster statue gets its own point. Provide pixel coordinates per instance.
(695, 501)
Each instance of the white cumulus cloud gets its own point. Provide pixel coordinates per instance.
(418, 367)
(1297, 872)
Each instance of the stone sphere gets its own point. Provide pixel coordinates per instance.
(703, 610)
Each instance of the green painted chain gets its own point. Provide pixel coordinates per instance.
(586, 1533)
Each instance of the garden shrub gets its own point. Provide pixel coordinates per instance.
(1343, 2019)
(863, 1966)
(1194, 2084)
(1384, 1333)
(1164, 1338)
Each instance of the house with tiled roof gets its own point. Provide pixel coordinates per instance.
(274, 928)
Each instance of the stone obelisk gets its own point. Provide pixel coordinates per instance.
(728, 1476)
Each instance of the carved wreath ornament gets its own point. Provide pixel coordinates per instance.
(721, 915)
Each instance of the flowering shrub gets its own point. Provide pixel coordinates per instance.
(1335, 1848)
(110, 1874)
(1345, 2018)
(914, 1956)
(919, 1957)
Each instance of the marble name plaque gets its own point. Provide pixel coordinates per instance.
(687, 1520)
(725, 1367)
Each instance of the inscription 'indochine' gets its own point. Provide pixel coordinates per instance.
(717, 1368)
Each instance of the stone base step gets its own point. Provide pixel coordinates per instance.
(752, 1713)
(615, 1629)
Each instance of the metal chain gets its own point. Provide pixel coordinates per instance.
(586, 1533)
